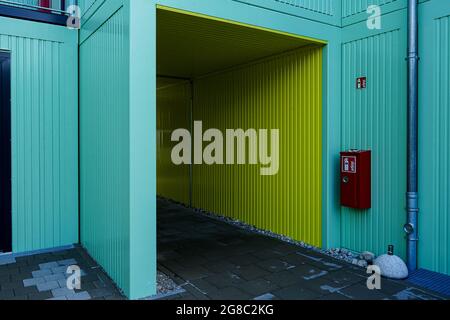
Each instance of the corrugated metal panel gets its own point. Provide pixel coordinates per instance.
(210, 44)
(44, 136)
(282, 93)
(375, 119)
(173, 112)
(320, 6)
(352, 7)
(104, 134)
(434, 216)
(86, 5)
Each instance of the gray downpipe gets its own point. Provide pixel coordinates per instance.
(412, 198)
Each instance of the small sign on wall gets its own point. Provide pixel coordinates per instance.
(361, 83)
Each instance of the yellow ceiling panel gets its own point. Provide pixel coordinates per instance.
(190, 45)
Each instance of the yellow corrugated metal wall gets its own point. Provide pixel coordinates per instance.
(173, 112)
(285, 93)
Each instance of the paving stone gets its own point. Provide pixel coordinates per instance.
(33, 282)
(230, 293)
(79, 296)
(48, 265)
(18, 298)
(115, 297)
(28, 270)
(40, 296)
(19, 277)
(224, 280)
(47, 286)
(361, 292)
(275, 265)
(103, 292)
(192, 273)
(334, 296)
(86, 286)
(203, 286)
(265, 297)
(296, 292)
(243, 260)
(10, 271)
(283, 278)
(390, 287)
(5, 278)
(67, 262)
(258, 286)
(11, 285)
(414, 294)
(63, 298)
(56, 277)
(267, 254)
(7, 260)
(198, 295)
(60, 269)
(6, 294)
(21, 291)
(62, 283)
(250, 272)
(62, 292)
(219, 266)
(41, 273)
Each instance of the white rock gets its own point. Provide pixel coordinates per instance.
(362, 263)
(366, 255)
(392, 267)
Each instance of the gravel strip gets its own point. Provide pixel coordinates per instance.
(165, 284)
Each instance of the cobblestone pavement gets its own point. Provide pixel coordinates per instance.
(210, 259)
(207, 259)
(44, 277)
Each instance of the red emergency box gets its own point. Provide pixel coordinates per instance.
(356, 184)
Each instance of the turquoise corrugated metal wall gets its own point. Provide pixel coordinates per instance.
(104, 141)
(44, 133)
(352, 7)
(434, 216)
(117, 128)
(375, 119)
(324, 11)
(86, 5)
(320, 6)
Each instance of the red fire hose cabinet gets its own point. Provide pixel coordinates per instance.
(356, 190)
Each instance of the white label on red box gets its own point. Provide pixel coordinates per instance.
(349, 164)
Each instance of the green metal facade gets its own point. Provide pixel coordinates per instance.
(44, 133)
(434, 151)
(118, 143)
(118, 125)
(374, 119)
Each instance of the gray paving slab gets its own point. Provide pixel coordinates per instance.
(47, 286)
(246, 265)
